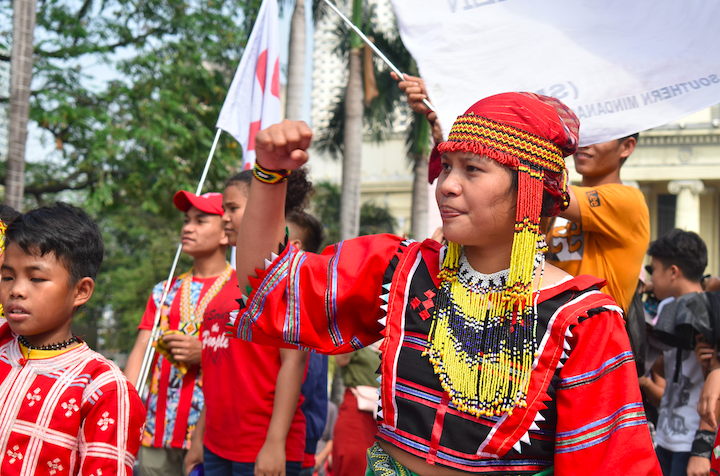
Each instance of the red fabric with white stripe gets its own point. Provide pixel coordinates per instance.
(70, 414)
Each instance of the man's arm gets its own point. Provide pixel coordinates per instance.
(323, 455)
(700, 465)
(572, 213)
(414, 89)
(654, 387)
(271, 459)
(134, 362)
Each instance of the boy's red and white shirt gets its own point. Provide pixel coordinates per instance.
(74, 413)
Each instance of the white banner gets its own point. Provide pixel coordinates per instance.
(253, 100)
(623, 66)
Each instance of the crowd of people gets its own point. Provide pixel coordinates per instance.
(503, 347)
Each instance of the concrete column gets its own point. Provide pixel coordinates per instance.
(687, 210)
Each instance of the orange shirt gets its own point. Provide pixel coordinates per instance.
(611, 241)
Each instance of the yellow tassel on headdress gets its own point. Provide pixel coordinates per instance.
(3, 229)
(482, 343)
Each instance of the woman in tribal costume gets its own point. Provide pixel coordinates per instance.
(493, 362)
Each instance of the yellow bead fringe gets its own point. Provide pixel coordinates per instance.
(493, 378)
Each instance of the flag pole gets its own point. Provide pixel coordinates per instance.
(373, 47)
(154, 334)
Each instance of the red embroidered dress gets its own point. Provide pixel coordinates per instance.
(584, 412)
(71, 414)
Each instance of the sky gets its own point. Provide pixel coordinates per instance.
(41, 144)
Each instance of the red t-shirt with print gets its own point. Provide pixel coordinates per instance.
(239, 380)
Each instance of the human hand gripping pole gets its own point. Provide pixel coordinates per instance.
(372, 46)
(279, 147)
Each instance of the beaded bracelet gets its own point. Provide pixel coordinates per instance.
(270, 176)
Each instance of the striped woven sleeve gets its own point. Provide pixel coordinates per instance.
(113, 423)
(329, 303)
(601, 428)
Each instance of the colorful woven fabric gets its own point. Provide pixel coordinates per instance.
(176, 399)
(73, 413)
(384, 287)
(270, 176)
(379, 463)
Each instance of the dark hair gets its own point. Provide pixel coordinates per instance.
(244, 177)
(65, 231)
(312, 230)
(684, 249)
(8, 214)
(299, 188)
(635, 136)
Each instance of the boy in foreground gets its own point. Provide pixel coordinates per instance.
(64, 409)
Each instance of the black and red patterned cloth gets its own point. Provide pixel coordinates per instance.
(584, 412)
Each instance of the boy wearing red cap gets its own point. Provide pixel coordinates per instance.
(175, 397)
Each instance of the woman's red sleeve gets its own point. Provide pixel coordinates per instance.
(601, 428)
(329, 303)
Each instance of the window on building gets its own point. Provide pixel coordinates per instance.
(666, 205)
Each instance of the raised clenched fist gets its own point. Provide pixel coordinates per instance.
(283, 146)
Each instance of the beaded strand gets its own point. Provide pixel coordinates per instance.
(481, 348)
(56, 346)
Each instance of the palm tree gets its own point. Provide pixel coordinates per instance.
(296, 63)
(21, 66)
(380, 117)
(352, 158)
(374, 218)
(418, 145)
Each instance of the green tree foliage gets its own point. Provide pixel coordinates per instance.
(152, 127)
(124, 148)
(326, 206)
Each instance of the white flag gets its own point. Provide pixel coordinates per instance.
(253, 101)
(623, 66)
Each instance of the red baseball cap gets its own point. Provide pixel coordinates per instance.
(210, 202)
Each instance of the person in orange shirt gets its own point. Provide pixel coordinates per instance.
(605, 231)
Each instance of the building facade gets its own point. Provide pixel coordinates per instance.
(677, 167)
